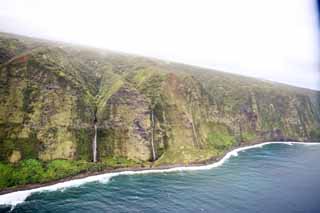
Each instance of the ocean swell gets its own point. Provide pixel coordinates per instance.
(17, 197)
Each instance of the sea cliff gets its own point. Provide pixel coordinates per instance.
(146, 111)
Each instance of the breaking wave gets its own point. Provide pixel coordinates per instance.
(17, 197)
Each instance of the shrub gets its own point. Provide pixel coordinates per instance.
(5, 174)
(27, 171)
(220, 140)
(35, 171)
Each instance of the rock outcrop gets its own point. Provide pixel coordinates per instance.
(52, 94)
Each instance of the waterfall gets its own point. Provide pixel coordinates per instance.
(152, 136)
(94, 144)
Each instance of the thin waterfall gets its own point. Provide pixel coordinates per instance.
(94, 144)
(152, 136)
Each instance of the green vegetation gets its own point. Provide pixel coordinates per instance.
(28, 147)
(26, 171)
(220, 136)
(186, 155)
(35, 171)
(248, 136)
(220, 140)
(52, 95)
(118, 162)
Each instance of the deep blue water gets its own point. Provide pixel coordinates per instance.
(275, 178)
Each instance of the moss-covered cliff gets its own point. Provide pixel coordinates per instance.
(52, 94)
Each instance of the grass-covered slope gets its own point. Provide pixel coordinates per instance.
(146, 110)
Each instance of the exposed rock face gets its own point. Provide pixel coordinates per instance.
(124, 130)
(51, 94)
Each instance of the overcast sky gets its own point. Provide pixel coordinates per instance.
(270, 39)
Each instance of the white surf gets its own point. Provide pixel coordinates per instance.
(17, 197)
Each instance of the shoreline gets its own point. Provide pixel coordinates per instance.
(122, 169)
(18, 194)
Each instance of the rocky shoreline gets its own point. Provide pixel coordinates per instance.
(87, 174)
(107, 171)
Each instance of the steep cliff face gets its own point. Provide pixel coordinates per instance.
(45, 112)
(52, 94)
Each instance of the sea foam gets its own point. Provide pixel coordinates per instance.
(17, 197)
